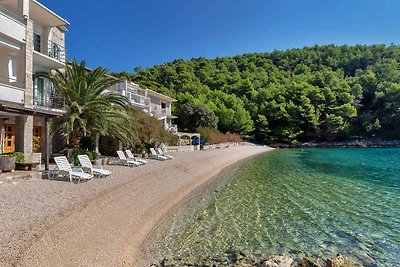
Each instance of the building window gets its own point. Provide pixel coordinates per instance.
(12, 70)
(37, 42)
(163, 105)
(38, 93)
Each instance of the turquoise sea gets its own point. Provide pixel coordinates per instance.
(314, 202)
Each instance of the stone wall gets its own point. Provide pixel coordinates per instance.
(23, 134)
(29, 64)
(57, 36)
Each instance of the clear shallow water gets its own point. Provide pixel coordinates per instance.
(317, 202)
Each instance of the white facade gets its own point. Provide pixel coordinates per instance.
(32, 40)
(160, 106)
(148, 101)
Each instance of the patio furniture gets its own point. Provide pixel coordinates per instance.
(95, 170)
(131, 156)
(74, 174)
(162, 153)
(154, 155)
(125, 161)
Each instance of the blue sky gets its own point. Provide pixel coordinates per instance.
(122, 34)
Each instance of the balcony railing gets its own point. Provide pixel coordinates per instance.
(54, 50)
(138, 99)
(141, 99)
(161, 112)
(48, 98)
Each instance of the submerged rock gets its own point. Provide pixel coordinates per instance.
(240, 259)
(341, 261)
(278, 261)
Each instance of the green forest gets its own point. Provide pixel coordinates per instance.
(319, 93)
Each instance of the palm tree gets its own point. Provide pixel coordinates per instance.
(90, 108)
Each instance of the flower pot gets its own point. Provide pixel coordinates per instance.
(7, 164)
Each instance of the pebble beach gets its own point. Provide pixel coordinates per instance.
(105, 221)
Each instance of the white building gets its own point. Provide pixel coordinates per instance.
(32, 40)
(148, 101)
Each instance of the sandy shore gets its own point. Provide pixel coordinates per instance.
(102, 222)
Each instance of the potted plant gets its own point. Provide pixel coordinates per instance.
(24, 163)
(93, 157)
(7, 162)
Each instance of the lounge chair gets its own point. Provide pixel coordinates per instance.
(125, 161)
(154, 155)
(162, 153)
(95, 170)
(75, 174)
(131, 156)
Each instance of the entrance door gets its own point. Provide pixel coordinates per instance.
(9, 138)
(37, 136)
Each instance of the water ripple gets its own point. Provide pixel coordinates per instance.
(317, 201)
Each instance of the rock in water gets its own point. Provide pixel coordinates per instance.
(310, 262)
(278, 261)
(341, 261)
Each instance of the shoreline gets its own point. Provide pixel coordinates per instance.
(183, 212)
(103, 222)
(362, 143)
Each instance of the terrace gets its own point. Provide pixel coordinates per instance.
(138, 100)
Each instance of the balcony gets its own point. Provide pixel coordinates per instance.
(12, 25)
(56, 51)
(10, 92)
(137, 100)
(48, 99)
(161, 113)
(49, 54)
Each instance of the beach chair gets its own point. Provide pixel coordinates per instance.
(154, 155)
(95, 170)
(125, 161)
(162, 153)
(75, 174)
(131, 156)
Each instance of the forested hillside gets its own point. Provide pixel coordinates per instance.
(316, 93)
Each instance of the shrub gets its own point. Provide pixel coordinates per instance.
(151, 131)
(213, 136)
(79, 151)
(19, 156)
(87, 143)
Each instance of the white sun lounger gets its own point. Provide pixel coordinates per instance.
(154, 155)
(125, 161)
(162, 153)
(75, 174)
(95, 170)
(130, 156)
